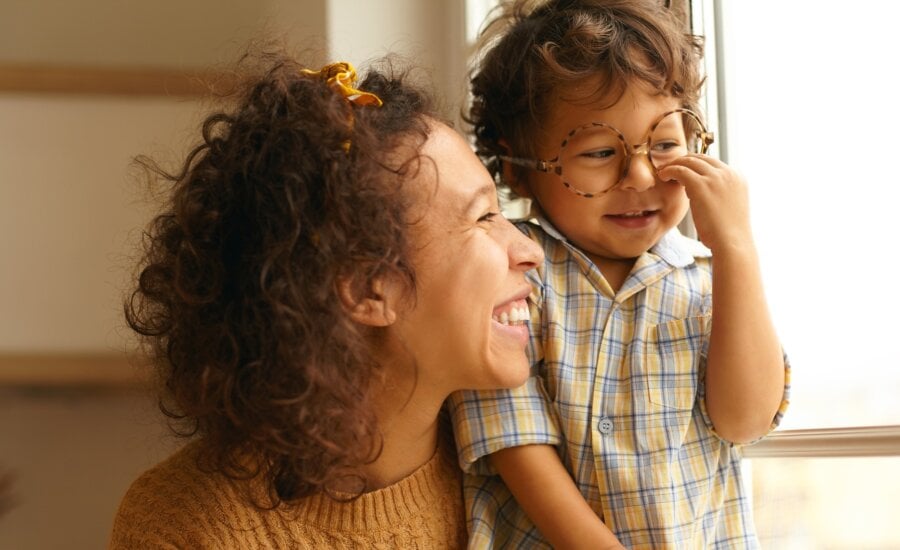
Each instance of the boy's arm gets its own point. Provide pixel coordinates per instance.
(543, 488)
(745, 373)
(745, 364)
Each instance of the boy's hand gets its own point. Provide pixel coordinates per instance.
(745, 366)
(719, 200)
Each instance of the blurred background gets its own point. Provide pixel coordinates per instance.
(84, 87)
(804, 111)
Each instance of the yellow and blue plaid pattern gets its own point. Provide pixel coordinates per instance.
(617, 387)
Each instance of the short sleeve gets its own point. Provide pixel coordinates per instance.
(485, 422)
(786, 396)
(779, 414)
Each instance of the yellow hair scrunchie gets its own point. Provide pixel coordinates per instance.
(341, 76)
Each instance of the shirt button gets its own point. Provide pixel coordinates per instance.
(605, 426)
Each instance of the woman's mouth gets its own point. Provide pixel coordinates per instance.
(511, 313)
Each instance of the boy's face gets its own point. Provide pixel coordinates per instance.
(627, 220)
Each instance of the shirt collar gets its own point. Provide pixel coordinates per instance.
(678, 250)
(673, 248)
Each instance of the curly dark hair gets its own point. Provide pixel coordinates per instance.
(529, 53)
(237, 295)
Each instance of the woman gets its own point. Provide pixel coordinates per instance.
(332, 264)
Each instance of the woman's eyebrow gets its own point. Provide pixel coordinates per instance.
(483, 191)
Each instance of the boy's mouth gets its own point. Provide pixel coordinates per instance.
(511, 313)
(633, 214)
(633, 219)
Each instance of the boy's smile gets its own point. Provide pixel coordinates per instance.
(633, 219)
(628, 220)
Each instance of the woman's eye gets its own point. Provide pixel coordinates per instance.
(489, 217)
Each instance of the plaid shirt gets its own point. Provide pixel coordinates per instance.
(617, 387)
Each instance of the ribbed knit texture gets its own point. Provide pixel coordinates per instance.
(176, 505)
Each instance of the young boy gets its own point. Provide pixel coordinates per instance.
(629, 431)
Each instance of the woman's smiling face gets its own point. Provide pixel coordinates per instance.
(470, 264)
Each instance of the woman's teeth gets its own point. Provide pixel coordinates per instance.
(515, 316)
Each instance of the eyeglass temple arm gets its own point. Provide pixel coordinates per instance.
(704, 139)
(540, 165)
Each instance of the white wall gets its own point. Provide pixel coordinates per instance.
(430, 33)
(71, 210)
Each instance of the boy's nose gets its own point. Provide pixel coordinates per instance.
(641, 175)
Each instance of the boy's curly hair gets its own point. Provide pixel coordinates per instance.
(237, 289)
(530, 50)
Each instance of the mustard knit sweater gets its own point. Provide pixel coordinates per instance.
(176, 505)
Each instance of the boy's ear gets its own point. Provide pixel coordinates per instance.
(520, 187)
(378, 308)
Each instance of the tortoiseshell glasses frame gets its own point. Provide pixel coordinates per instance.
(591, 163)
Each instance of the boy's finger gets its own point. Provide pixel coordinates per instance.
(678, 173)
(698, 163)
(712, 161)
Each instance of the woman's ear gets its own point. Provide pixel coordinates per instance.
(508, 173)
(378, 307)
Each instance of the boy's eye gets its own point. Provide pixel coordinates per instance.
(600, 154)
(665, 146)
(667, 150)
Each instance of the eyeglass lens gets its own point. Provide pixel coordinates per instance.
(593, 159)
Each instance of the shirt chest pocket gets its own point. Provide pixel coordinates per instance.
(671, 362)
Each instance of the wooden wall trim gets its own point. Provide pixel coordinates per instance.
(111, 81)
(72, 369)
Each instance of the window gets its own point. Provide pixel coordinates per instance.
(807, 113)
(810, 116)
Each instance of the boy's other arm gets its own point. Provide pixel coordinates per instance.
(745, 366)
(547, 494)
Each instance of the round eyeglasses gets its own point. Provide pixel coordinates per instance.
(594, 158)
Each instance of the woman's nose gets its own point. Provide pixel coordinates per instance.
(524, 254)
